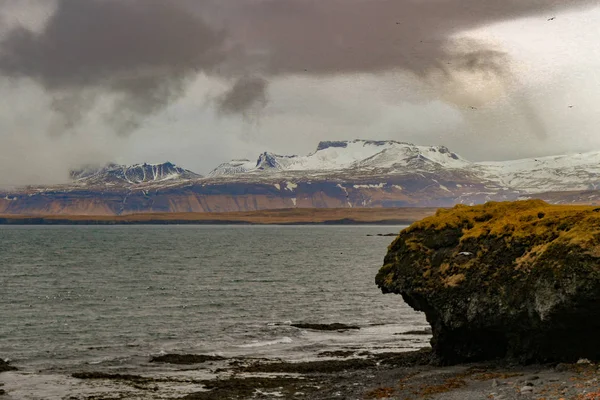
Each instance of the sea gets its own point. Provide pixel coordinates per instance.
(108, 298)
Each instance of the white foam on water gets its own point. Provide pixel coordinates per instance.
(259, 392)
(284, 323)
(387, 338)
(283, 340)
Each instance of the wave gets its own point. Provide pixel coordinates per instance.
(284, 323)
(283, 340)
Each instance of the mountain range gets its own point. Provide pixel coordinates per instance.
(357, 173)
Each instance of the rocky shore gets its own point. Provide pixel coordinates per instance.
(412, 375)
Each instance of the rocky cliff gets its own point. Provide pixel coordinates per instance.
(518, 280)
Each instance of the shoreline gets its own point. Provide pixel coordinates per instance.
(410, 375)
(291, 217)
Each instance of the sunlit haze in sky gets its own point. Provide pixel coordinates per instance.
(199, 83)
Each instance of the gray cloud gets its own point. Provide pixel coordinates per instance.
(137, 57)
(360, 36)
(139, 51)
(248, 93)
(347, 36)
(143, 51)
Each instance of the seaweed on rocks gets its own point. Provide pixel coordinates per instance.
(243, 388)
(325, 327)
(118, 377)
(185, 359)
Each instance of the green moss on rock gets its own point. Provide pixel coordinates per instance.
(514, 279)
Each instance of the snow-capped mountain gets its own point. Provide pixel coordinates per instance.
(233, 167)
(546, 174)
(114, 174)
(357, 173)
(368, 158)
(356, 155)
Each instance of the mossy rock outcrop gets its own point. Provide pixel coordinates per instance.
(517, 280)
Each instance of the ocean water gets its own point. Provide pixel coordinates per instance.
(106, 298)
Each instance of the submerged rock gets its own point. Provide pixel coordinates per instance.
(5, 366)
(325, 327)
(185, 359)
(514, 280)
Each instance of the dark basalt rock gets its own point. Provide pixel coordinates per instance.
(372, 360)
(185, 359)
(108, 376)
(426, 331)
(504, 280)
(325, 327)
(5, 366)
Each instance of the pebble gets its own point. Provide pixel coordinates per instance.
(526, 389)
(561, 367)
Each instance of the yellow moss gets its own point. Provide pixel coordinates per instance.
(444, 267)
(532, 226)
(413, 245)
(454, 280)
(389, 279)
(577, 225)
(525, 261)
(594, 251)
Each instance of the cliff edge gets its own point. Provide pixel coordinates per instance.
(517, 280)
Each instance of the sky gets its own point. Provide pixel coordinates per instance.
(200, 82)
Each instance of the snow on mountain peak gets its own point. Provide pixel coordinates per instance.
(134, 174)
(269, 161)
(345, 143)
(352, 154)
(234, 167)
(366, 161)
(550, 173)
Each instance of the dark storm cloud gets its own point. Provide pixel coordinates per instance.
(247, 93)
(337, 36)
(140, 51)
(331, 37)
(144, 51)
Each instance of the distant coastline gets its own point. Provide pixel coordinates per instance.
(306, 216)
